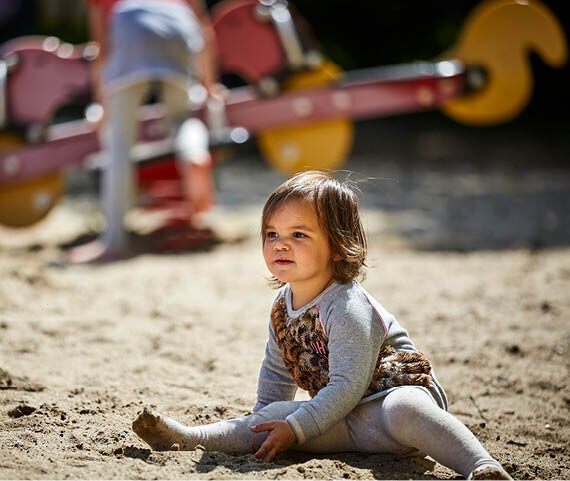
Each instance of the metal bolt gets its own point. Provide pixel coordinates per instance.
(268, 86)
(11, 165)
(42, 201)
(65, 50)
(289, 151)
(341, 100)
(91, 51)
(51, 44)
(302, 106)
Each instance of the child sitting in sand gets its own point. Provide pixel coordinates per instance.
(371, 390)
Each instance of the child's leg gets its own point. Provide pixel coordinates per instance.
(231, 436)
(410, 418)
(118, 186)
(191, 144)
(118, 135)
(404, 420)
(234, 435)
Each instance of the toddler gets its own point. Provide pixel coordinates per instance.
(371, 390)
(159, 47)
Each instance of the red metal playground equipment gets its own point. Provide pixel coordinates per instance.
(298, 105)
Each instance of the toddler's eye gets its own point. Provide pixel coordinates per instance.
(299, 235)
(271, 235)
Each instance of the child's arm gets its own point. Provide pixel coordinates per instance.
(355, 337)
(207, 58)
(98, 34)
(275, 383)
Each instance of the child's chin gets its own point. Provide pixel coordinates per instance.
(283, 279)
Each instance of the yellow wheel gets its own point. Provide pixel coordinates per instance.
(316, 145)
(26, 203)
(497, 36)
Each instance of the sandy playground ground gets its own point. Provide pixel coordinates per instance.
(471, 255)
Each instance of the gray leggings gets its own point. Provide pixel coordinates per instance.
(405, 421)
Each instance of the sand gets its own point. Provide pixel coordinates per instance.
(472, 258)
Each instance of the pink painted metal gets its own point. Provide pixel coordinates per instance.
(354, 100)
(248, 46)
(362, 97)
(45, 76)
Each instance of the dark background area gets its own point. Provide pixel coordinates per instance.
(369, 33)
(353, 33)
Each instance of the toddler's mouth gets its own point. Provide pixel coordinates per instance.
(283, 262)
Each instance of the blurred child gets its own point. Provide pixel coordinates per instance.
(147, 45)
(371, 390)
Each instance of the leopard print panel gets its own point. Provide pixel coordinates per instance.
(304, 349)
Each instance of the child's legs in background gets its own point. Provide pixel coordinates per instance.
(120, 135)
(409, 418)
(191, 144)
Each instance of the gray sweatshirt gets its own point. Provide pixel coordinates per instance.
(357, 327)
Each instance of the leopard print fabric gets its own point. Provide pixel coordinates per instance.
(304, 349)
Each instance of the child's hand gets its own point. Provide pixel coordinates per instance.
(280, 438)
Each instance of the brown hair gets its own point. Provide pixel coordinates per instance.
(336, 207)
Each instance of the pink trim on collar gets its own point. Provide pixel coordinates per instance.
(373, 307)
(321, 322)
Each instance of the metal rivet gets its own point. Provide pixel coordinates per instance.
(42, 201)
(268, 86)
(91, 51)
(50, 44)
(289, 152)
(239, 135)
(341, 100)
(11, 164)
(65, 50)
(302, 106)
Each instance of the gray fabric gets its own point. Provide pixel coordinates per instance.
(151, 40)
(357, 326)
(405, 421)
(411, 419)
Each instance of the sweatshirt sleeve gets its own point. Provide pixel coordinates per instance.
(275, 383)
(355, 335)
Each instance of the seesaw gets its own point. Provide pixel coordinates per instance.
(299, 106)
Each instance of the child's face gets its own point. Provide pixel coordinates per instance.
(296, 249)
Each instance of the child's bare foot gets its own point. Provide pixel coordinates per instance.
(161, 433)
(94, 252)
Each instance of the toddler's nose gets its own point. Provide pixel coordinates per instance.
(281, 246)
